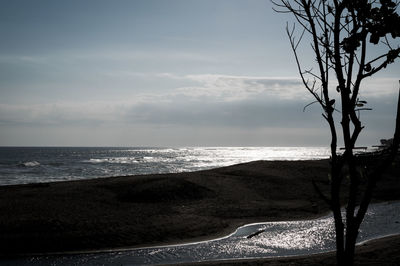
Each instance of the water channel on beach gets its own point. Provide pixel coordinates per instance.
(259, 240)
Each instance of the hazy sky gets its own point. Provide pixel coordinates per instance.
(161, 73)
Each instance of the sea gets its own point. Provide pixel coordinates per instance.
(25, 165)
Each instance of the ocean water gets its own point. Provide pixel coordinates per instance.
(22, 165)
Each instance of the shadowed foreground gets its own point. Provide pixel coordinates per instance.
(159, 209)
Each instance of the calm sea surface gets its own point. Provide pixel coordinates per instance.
(19, 165)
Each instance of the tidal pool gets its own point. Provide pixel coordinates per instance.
(260, 240)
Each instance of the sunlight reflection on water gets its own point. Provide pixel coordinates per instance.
(276, 239)
(20, 165)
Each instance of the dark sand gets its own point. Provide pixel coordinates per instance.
(171, 208)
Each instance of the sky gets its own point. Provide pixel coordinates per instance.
(162, 73)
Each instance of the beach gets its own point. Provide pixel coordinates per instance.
(137, 211)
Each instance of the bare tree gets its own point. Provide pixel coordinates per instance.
(341, 33)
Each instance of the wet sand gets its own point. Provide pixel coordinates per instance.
(380, 252)
(135, 211)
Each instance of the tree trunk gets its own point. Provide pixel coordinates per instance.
(351, 238)
(340, 255)
(337, 215)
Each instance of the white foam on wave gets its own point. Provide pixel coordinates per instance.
(30, 164)
(130, 160)
(116, 160)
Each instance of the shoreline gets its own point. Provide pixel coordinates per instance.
(376, 252)
(148, 210)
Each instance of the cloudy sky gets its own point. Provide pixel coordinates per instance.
(161, 73)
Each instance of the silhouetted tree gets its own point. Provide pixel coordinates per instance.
(341, 33)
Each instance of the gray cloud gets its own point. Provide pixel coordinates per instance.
(237, 101)
(237, 88)
(246, 113)
(236, 105)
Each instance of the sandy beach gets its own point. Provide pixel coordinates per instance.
(134, 211)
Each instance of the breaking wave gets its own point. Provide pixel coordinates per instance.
(29, 164)
(19, 165)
